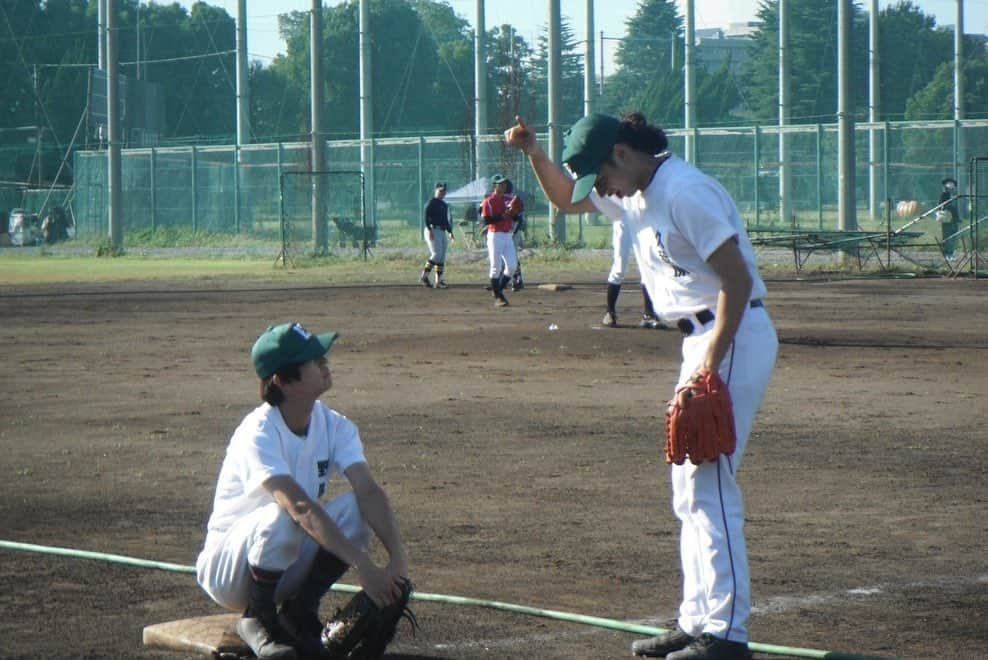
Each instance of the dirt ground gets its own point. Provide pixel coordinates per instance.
(524, 462)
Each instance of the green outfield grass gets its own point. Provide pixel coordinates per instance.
(20, 268)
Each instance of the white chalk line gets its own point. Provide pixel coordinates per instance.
(771, 605)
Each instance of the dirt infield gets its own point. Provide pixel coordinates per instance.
(523, 461)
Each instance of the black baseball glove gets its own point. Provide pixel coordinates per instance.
(361, 630)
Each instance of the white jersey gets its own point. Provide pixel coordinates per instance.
(263, 446)
(678, 221)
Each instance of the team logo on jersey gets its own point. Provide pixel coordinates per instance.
(677, 271)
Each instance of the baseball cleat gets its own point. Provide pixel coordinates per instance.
(609, 320)
(441, 285)
(425, 280)
(710, 647)
(659, 647)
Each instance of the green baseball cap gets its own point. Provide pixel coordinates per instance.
(288, 343)
(586, 145)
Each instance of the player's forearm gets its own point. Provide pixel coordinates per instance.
(377, 511)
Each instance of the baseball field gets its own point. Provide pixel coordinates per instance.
(524, 462)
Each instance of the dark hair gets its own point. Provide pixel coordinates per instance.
(637, 133)
(270, 392)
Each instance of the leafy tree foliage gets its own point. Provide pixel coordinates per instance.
(911, 50)
(571, 77)
(812, 61)
(936, 100)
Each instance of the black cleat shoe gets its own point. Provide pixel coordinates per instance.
(266, 639)
(425, 280)
(609, 320)
(710, 647)
(663, 645)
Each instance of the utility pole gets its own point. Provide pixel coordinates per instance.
(480, 86)
(557, 220)
(243, 84)
(114, 170)
(318, 140)
(847, 203)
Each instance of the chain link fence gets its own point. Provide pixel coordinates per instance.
(226, 190)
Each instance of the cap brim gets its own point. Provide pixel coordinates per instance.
(318, 348)
(583, 186)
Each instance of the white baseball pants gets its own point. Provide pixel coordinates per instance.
(707, 499)
(268, 538)
(501, 253)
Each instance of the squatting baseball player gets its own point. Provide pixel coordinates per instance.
(269, 539)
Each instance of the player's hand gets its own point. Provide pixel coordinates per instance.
(380, 584)
(519, 136)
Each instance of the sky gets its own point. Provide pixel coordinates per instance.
(264, 44)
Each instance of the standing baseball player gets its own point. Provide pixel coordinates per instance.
(517, 231)
(701, 274)
(437, 227)
(498, 217)
(622, 241)
(270, 540)
(948, 216)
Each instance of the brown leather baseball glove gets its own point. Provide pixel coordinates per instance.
(700, 421)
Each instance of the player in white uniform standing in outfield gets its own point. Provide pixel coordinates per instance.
(622, 241)
(702, 276)
(270, 540)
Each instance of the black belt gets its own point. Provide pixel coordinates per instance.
(705, 316)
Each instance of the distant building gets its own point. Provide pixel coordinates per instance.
(714, 46)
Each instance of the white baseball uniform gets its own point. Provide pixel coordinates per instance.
(678, 222)
(248, 525)
(621, 243)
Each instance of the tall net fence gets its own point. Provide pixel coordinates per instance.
(223, 189)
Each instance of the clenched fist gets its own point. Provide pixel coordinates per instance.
(520, 137)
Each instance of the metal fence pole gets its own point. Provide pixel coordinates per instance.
(421, 163)
(195, 195)
(153, 180)
(236, 189)
(885, 164)
(757, 156)
(819, 175)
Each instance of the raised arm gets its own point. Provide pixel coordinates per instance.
(556, 183)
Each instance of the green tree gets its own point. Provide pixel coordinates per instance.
(453, 38)
(406, 66)
(571, 77)
(646, 79)
(812, 61)
(509, 84)
(936, 100)
(910, 51)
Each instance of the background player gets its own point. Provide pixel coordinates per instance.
(437, 226)
(948, 216)
(501, 253)
(701, 274)
(269, 539)
(517, 232)
(621, 244)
